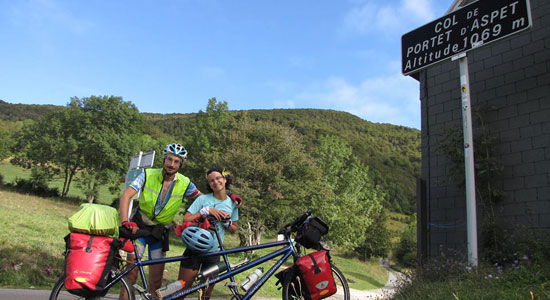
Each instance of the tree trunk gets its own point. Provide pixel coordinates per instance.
(71, 175)
(92, 186)
(65, 181)
(249, 235)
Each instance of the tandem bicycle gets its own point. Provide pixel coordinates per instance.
(293, 286)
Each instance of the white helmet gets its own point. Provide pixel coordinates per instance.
(176, 149)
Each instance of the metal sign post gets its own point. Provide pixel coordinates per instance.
(474, 25)
(137, 164)
(469, 169)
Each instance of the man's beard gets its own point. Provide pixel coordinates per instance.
(167, 172)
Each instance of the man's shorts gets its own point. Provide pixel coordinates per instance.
(153, 245)
(194, 262)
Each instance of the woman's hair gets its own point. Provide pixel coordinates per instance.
(226, 174)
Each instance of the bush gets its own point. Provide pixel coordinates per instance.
(405, 252)
(36, 188)
(448, 276)
(377, 239)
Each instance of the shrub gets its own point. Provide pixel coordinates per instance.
(35, 188)
(377, 239)
(405, 252)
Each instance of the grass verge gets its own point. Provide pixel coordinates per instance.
(31, 247)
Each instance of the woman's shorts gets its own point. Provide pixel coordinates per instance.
(194, 262)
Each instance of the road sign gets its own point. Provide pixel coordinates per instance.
(471, 26)
(142, 160)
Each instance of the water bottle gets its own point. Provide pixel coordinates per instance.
(252, 278)
(212, 271)
(170, 289)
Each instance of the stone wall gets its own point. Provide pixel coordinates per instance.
(510, 86)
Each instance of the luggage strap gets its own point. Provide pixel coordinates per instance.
(315, 266)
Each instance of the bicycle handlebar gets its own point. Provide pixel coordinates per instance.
(296, 223)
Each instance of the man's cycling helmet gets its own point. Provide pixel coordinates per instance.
(176, 149)
(198, 239)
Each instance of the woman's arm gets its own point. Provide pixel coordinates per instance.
(233, 227)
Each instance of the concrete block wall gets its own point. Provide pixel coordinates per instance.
(510, 79)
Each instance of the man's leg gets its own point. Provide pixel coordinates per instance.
(156, 273)
(131, 258)
(132, 276)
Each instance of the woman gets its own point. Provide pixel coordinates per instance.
(217, 204)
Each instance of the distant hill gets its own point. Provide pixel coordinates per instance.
(392, 152)
(20, 112)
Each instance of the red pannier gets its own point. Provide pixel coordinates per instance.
(88, 262)
(317, 274)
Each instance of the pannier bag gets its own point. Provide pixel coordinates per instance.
(88, 261)
(316, 272)
(95, 219)
(311, 231)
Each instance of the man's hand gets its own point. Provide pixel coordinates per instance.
(131, 226)
(237, 199)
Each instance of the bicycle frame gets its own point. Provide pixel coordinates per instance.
(288, 250)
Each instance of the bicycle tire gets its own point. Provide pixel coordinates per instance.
(295, 289)
(60, 293)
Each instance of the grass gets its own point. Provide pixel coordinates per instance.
(31, 247)
(12, 172)
(529, 281)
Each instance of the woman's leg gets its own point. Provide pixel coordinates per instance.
(187, 275)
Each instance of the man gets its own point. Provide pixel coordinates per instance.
(162, 193)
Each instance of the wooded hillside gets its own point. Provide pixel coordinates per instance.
(391, 152)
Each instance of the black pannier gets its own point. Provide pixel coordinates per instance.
(309, 235)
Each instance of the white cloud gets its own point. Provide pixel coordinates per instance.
(285, 104)
(422, 9)
(380, 16)
(385, 99)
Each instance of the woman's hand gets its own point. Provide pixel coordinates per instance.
(218, 214)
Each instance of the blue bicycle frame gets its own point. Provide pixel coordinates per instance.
(288, 250)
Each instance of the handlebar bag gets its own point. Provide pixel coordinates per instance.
(316, 272)
(88, 262)
(311, 231)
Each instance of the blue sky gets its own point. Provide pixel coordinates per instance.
(172, 56)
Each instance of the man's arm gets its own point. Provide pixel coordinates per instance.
(124, 203)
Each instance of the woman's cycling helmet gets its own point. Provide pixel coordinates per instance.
(198, 239)
(176, 149)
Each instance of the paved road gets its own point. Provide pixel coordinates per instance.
(389, 289)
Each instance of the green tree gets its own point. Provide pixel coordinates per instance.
(377, 240)
(405, 252)
(270, 165)
(353, 200)
(93, 137)
(6, 141)
(114, 126)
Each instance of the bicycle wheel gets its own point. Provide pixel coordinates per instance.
(295, 289)
(60, 293)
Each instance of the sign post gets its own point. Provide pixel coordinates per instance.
(137, 164)
(469, 27)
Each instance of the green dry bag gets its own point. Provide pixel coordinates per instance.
(95, 219)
